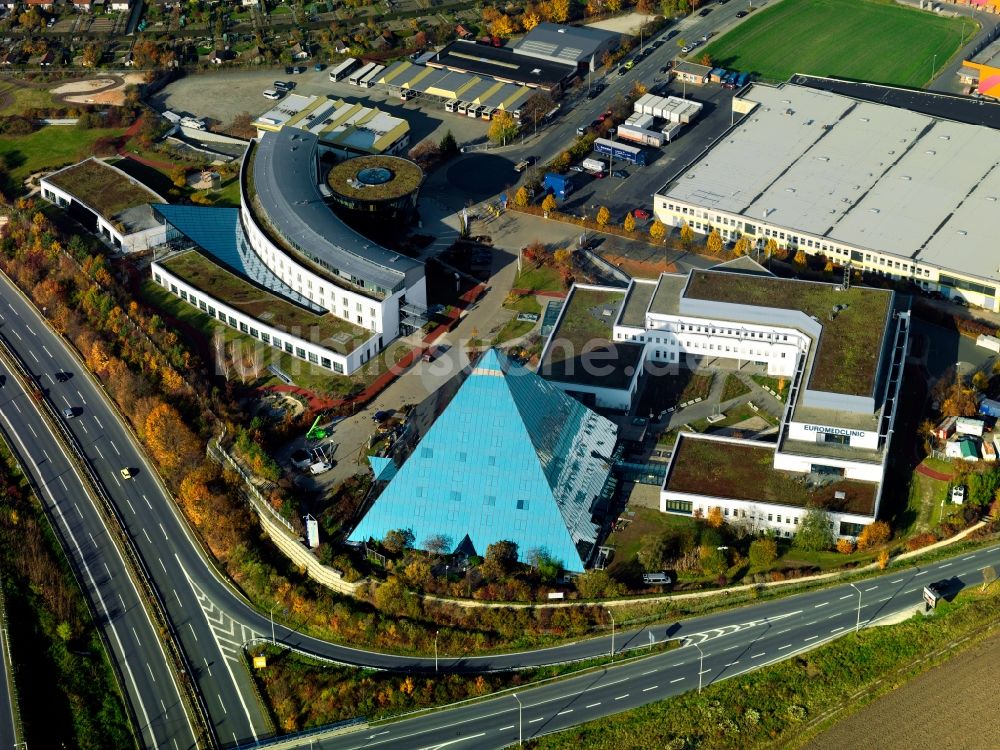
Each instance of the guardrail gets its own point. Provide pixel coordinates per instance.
(194, 704)
(15, 704)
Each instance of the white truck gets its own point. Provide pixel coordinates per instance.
(594, 166)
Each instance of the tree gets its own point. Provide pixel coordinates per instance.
(687, 233)
(681, 42)
(438, 544)
(613, 6)
(714, 518)
(397, 540)
(654, 550)
(713, 243)
(426, 152)
(763, 552)
(499, 560)
(814, 533)
(562, 256)
(243, 126)
(742, 246)
(502, 127)
(629, 223)
(448, 145)
(771, 248)
(549, 568)
(521, 197)
(713, 559)
(883, 559)
(874, 535)
(845, 546)
(559, 11)
(549, 204)
(530, 20)
(800, 257)
(705, 59)
(959, 401)
(502, 27)
(536, 107)
(171, 442)
(980, 381)
(603, 216)
(598, 584)
(638, 89)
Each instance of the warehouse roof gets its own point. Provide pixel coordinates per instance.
(861, 173)
(451, 85)
(502, 64)
(286, 181)
(567, 44)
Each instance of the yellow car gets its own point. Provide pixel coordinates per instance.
(127, 473)
(629, 65)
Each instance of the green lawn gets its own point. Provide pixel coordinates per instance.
(868, 40)
(541, 279)
(52, 146)
(22, 98)
(733, 388)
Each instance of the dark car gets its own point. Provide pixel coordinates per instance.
(704, 12)
(288, 70)
(381, 416)
(742, 14)
(622, 71)
(621, 174)
(298, 69)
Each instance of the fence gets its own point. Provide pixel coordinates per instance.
(280, 529)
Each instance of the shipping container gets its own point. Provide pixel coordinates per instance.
(560, 185)
(988, 342)
(671, 130)
(640, 135)
(594, 165)
(989, 408)
(968, 426)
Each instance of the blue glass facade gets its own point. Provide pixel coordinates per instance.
(510, 458)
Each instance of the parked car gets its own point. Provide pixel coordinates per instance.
(283, 86)
(298, 69)
(318, 67)
(576, 168)
(742, 14)
(621, 174)
(622, 71)
(629, 65)
(686, 49)
(381, 416)
(704, 12)
(641, 213)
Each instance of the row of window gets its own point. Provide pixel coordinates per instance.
(489, 501)
(250, 330)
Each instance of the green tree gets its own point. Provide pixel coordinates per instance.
(629, 223)
(548, 567)
(397, 540)
(448, 145)
(503, 127)
(657, 230)
(499, 560)
(654, 551)
(713, 559)
(713, 243)
(549, 204)
(763, 552)
(815, 532)
(603, 216)
(598, 584)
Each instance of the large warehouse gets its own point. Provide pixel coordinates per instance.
(889, 191)
(344, 297)
(579, 46)
(841, 350)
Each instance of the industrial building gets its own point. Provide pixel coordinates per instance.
(108, 202)
(449, 86)
(841, 351)
(903, 194)
(344, 297)
(343, 128)
(511, 457)
(579, 46)
(503, 64)
(375, 190)
(982, 73)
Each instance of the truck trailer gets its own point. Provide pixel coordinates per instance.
(622, 151)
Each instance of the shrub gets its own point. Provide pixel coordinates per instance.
(845, 546)
(921, 540)
(874, 535)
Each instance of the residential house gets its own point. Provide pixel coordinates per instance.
(83, 6)
(299, 52)
(220, 56)
(461, 32)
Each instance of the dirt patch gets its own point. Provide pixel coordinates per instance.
(109, 90)
(947, 708)
(627, 24)
(84, 87)
(641, 269)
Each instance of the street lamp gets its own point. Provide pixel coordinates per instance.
(435, 651)
(934, 65)
(612, 635)
(857, 626)
(520, 719)
(701, 663)
(271, 618)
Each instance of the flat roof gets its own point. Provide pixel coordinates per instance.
(864, 174)
(501, 63)
(287, 108)
(404, 176)
(988, 55)
(581, 349)
(285, 178)
(745, 471)
(568, 44)
(110, 192)
(636, 303)
(846, 357)
(332, 332)
(453, 85)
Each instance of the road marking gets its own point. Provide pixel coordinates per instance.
(51, 379)
(109, 571)
(150, 671)
(130, 506)
(98, 423)
(192, 631)
(78, 511)
(616, 682)
(136, 636)
(162, 565)
(29, 329)
(37, 361)
(207, 667)
(811, 638)
(18, 335)
(99, 451)
(782, 648)
(946, 565)
(147, 502)
(782, 631)
(871, 588)
(622, 697)
(32, 430)
(84, 428)
(821, 605)
(898, 580)
(969, 557)
(563, 713)
(146, 534)
(66, 401)
(593, 705)
(164, 532)
(732, 664)
(676, 680)
(837, 630)
(705, 671)
(535, 721)
(47, 352)
(62, 482)
(506, 729)
(922, 572)
(17, 407)
(81, 396)
(646, 690)
(222, 703)
(178, 599)
(757, 656)
(115, 447)
(649, 671)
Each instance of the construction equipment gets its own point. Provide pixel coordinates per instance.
(316, 432)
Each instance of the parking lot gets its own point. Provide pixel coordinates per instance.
(198, 95)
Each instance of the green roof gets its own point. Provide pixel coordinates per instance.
(406, 177)
(214, 280)
(102, 187)
(846, 356)
(745, 471)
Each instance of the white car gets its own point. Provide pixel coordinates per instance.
(687, 49)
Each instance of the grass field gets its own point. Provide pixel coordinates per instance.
(52, 146)
(867, 40)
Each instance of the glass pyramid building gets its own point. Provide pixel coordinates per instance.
(510, 458)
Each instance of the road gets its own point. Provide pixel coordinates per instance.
(9, 730)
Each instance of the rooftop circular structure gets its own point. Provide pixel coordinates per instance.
(374, 179)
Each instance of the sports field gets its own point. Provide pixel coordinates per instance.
(865, 40)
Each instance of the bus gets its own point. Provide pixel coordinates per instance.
(357, 75)
(451, 105)
(343, 70)
(372, 78)
(621, 151)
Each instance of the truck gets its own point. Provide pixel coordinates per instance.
(621, 151)
(526, 162)
(594, 165)
(641, 135)
(987, 342)
(560, 185)
(989, 408)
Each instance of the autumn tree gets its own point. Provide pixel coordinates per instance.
(603, 216)
(763, 552)
(171, 442)
(800, 257)
(521, 197)
(502, 27)
(396, 540)
(657, 230)
(426, 152)
(705, 59)
(613, 6)
(499, 560)
(687, 233)
(598, 584)
(629, 223)
(771, 248)
(562, 256)
(959, 401)
(549, 204)
(714, 517)
(713, 560)
(845, 546)
(502, 127)
(713, 243)
(530, 20)
(742, 246)
(559, 12)
(874, 535)
(638, 89)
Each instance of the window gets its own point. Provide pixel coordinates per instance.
(184, 295)
(426, 452)
(232, 321)
(490, 501)
(463, 456)
(313, 358)
(337, 367)
(266, 338)
(456, 496)
(254, 332)
(325, 361)
(244, 328)
(522, 505)
(288, 347)
(300, 352)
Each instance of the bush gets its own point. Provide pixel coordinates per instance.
(763, 552)
(921, 540)
(845, 546)
(874, 535)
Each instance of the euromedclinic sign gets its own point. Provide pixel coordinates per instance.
(833, 430)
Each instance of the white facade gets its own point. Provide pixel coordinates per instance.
(295, 345)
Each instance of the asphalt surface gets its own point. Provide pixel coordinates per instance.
(9, 735)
